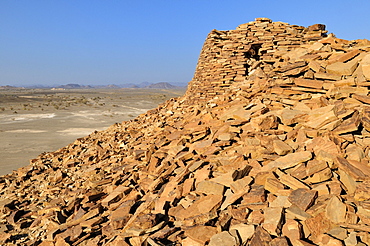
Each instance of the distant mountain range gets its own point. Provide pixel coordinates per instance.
(75, 86)
(160, 85)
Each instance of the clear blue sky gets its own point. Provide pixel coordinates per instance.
(94, 42)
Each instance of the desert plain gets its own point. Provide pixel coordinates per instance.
(33, 121)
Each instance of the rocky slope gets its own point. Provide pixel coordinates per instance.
(275, 154)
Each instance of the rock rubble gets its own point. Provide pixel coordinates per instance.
(269, 146)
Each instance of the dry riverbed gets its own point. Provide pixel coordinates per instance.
(33, 121)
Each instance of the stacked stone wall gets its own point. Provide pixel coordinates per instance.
(232, 56)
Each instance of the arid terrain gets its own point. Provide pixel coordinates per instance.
(33, 121)
(268, 146)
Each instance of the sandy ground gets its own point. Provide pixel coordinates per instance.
(42, 120)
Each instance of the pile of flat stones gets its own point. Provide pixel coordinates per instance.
(231, 56)
(278, 158)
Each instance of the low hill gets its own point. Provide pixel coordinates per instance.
(161, 85)
(269, 146)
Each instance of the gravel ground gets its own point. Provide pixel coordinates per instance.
(44, 120)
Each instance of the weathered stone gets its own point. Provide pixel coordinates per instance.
(231, 197)
(273, 220)
(204, 205)
(294, 212)
(362, 191)
(320, 117)
(209, 187)
(291, 116)
(356, 170)
(257, 194)
(256, 217)
(201, 234)
(324, 239)
(308, 83)
(260, 238)
(365, 64)
(279, 241)
(223, 238)
(339, 233)
(281, 148)
(336, 210)
(318, 225)
(190, 242)
(351, 240)
(274, 186)
(349, 183)
(244, 231)
(341, 68)
(293, 230)
(348, 125)
(320, 176)
(280, 202)
(120, 217)
(288, 161)
(290, 181)
(349, 55)
(303, 198)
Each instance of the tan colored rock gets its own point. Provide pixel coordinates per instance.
(288, 161)
(303, 243)
(348, 125)
(223, 238)
(273, 220)
(362, 191)
(320, 117)
(294, 212)
(349, 183)
(279, 241)
(256, 217)
(260, 238)
(201, 234)
(336, 210)
(361, 98)
(281, 148)
(190, 242)
(290, 181)
(339, 233)
(115, 195)
(231, 197)
(323, 175)
(120, 217)
(356, 170)
(274, 186)
(257, 194)
(316, 84)
(209, 187)
(303, 198)
(341, 68)
(324, 239)
(244, 231)
(293, 230)
(365, 65)
(318, 225)
(291, 116)
(280, 202)
(203, 205)
(348, 56)
(351, 240)
(47, 243)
